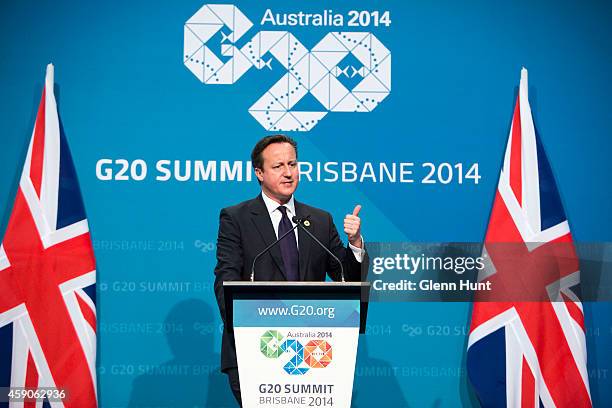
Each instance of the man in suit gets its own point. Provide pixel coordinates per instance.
(247, 228)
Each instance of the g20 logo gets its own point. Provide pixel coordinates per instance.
(316, 71)
(315, 354)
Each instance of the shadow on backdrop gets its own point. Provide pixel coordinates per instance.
(373, 384)
(192, 377)
(7, 207)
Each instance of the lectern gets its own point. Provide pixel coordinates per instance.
(296, 342)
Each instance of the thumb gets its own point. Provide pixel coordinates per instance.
(357, 209)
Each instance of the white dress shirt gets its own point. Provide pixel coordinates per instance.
(276, 215)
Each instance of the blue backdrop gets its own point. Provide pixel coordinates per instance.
(124, 93)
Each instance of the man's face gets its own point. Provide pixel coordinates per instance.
(279, 176)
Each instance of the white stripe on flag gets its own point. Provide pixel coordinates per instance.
(51, 162)
(529, 158)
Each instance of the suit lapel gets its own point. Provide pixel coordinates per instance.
(263, 223)
(304, 241)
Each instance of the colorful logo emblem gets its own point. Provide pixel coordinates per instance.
(321, 72)
(315, 354)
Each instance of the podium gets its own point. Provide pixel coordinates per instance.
(296, 342)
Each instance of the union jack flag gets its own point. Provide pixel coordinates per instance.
(526, 346)
(47, 272)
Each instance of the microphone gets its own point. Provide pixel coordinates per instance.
(266, 249)
(299, 220)
(303, 223)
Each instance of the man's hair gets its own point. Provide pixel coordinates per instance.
(257, 158)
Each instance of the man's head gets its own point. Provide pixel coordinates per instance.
(274, 159)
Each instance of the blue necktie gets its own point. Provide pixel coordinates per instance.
(288, 247)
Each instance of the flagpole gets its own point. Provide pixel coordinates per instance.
(524, 84)
(49, 77)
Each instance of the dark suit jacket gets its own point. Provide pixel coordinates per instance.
(246, 229)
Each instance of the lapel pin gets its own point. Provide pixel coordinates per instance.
(307, 223)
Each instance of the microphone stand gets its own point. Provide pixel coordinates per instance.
(299, 222)
(266, 249)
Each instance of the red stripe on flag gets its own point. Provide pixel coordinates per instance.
(501, 225)
(505, 231)
(73, 257)
(10, 296)
(557, 362)
(38, 147)
(527, 387)
(31, 380)
(574, 311)
(88, 314)
(516, 182)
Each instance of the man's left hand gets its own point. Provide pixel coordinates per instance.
(352, 227)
